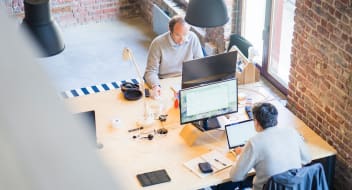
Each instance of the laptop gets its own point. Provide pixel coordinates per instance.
(239, 133)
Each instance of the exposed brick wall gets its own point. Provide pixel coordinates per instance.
(320, 88)
(72, 12)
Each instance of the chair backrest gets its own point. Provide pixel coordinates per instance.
(309, 178)
(242, 43)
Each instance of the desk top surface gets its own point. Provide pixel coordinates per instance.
(128, 157)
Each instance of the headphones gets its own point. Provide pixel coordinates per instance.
(131, 91)
(162, 131)
(149, 137)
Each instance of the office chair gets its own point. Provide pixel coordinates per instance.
(242, 43)
(309, 178)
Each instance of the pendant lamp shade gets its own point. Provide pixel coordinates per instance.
(206, 13)
(42, 27)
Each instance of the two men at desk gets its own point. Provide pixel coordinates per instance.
(273, 150)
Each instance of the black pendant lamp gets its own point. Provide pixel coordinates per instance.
(42, 27)
(206, 13)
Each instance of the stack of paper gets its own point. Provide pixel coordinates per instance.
(217, 161)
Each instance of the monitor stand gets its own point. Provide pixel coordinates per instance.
(191, 132)
(207, 124)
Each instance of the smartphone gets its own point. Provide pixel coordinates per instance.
(146, 92)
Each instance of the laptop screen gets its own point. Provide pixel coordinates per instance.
(239, 133)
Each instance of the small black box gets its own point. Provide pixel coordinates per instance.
(205, 167)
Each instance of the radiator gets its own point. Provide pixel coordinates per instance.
(160, 20)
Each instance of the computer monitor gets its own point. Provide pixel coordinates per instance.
(209, 69)
(202, 104)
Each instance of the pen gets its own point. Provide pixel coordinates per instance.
(135, 129)
(222, 163)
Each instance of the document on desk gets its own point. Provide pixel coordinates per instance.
(217, 161)
(241, 115)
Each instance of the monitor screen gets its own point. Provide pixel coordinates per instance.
(207, 101)
(209, 69)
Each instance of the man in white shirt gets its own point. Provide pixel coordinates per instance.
(272, 151)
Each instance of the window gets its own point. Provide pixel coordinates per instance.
(268, 25)
(253, 23)
(281, 35)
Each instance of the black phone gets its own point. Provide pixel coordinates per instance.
(146, 92)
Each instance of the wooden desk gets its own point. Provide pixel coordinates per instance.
(128, 156)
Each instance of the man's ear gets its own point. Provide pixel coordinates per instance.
(257, 126)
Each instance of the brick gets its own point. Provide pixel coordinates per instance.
(348, 47)
(57, 10)
(338, 14)
(342, 86)
(299, 94)
(344, 37)
(327, 109)
(339, 59)
(323, 22)
(340, 5)
(346, 28)
(337, 40)
(329, 8)
(300, 109)
(329, 28)
(318, 10)
(345, 2)
(308, 4)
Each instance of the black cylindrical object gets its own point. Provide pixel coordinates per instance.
(207, 13)
(42, 28)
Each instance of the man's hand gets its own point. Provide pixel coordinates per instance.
(156, 92)
(238, 150)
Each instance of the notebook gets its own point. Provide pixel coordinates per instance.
(239, 133)
(217, 161)
(154, 177)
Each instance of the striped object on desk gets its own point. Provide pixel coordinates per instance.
(96, 88)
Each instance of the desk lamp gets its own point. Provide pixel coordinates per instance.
(148, 119)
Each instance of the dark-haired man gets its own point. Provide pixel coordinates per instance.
(272, 150)
(168, 51)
